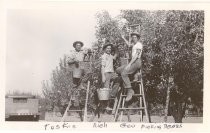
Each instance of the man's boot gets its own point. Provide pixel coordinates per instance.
(130, 93)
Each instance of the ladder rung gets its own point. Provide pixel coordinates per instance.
(132, 108)
(74, 110)
(133, 95)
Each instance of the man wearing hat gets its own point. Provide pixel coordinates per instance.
(77, 56)
(133, 66)
(107, 64)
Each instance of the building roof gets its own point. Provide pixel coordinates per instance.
(20, 96)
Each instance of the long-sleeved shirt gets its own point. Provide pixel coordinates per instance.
(76, 56)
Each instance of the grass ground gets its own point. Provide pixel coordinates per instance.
(74, 117)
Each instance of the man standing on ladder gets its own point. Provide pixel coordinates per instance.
(74, 59)
(77, 56)
(133, 66)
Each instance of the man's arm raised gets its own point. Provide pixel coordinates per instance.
(126, 41)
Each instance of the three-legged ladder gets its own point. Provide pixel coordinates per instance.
(142, 103)
(79, 110)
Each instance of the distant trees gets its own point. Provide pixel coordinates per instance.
(172, 58)
(57, 90)
(173, 49)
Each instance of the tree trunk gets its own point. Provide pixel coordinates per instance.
(178, 113)
(167, 104)
(167, 98)
(178, 119)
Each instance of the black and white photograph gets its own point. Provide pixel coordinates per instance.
(105, 65)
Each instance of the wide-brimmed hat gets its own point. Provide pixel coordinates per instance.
(81, 43)
(135, 33)
(106, 45)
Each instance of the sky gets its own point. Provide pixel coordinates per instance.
(37, 39)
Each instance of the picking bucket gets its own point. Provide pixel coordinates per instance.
(103, 93)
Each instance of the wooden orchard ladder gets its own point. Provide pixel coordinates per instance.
(85, 109)
(142, 103)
